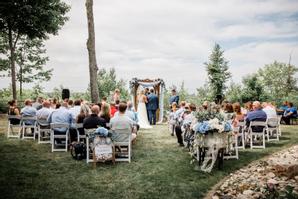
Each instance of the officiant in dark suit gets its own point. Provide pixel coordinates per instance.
(152, 106)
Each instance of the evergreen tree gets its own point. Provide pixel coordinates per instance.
(218, 74)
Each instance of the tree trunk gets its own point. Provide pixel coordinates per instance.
(21, 82)
(12, 65)
(91, 51)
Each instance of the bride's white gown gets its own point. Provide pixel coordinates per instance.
(142, 115)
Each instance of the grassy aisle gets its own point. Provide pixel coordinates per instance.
(159, 169)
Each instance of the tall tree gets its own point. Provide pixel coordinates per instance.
(91, 51)
(30, 60)
(253, 89)
(218, 74)
(234, 92)
(278, 79)
(107, 82)
(35, 19)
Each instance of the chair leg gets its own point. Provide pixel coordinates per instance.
(53, 141)
(263, 140)
(251, 137)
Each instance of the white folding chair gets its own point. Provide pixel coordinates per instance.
(11, 126)
(89, 157)
(63, 135)
(254, 135)
(240, 135)
(232, 148)
(44, 132)
(78, 126)
(31, 123)
(272, 129)
(123, 142)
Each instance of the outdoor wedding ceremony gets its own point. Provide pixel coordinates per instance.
(149, 99)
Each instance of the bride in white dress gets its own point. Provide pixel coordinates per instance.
(142, 111)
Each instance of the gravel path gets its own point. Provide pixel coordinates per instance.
(271, 177)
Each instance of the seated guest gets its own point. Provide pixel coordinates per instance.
(54, 103)
(256, 115)
(178, 127)
(239, 116)
(113, 109)
(291, 112)
(75, 110)
(130, 112)
(44, 112)
(122, 122)
(117, 102)
(85, 108)
(269, 110)
(228, 111)
(28, 110)
(247, 108)
(38, 103)
(13, 110)
(105, 114)
(180, 111)
(282, 108)
(70, 103)
(93, 120)
(60, 115)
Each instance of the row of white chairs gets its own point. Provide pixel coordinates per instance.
(270, 130)
(45, 134)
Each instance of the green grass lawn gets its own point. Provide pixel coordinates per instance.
(159, 169)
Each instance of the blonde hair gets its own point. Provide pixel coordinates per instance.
(105, 110)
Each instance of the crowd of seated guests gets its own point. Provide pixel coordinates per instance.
(251, 111)
(78, 111)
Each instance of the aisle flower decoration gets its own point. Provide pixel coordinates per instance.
(211, 120)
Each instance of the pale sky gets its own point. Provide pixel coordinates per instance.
(171, 39)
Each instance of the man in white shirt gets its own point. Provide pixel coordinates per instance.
(44, 112)
(269, 110)
(122, 122)
(75, 110)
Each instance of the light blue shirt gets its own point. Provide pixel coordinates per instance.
(43, 114)
(131, 114)
(30, 112)
(75, 111)
(61, 115)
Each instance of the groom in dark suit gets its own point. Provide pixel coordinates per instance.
(152, 106)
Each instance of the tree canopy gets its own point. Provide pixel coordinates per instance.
(29, 18)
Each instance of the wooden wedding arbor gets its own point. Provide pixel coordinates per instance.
(136, 85)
